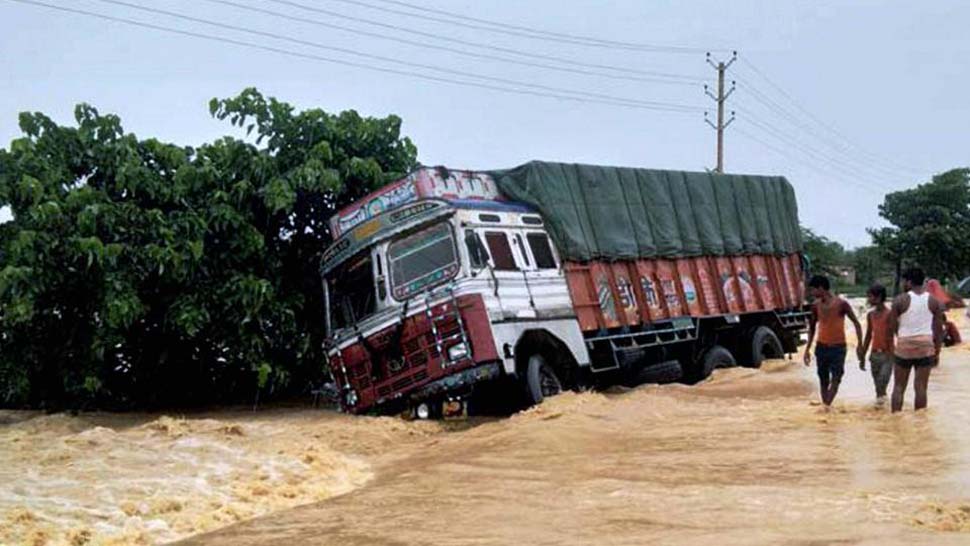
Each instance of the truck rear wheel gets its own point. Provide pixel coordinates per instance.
(541, 380)
(715, 357)
(764, 345)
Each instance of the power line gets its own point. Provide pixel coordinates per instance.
(814, 152)
(797, 122)
(782, 152)
(393, 60)
(309, 56)
(523, 32)
(821, 123)
(818, 156)
(512, 51)
(659, 78)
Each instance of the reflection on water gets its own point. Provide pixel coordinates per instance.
(748, 457)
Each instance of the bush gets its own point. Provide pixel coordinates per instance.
(139, 273)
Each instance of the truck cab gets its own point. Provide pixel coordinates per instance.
(437, 285)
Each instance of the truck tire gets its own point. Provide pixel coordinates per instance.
(662, 373)
(715, 357)
(764, 344)
(541, 380)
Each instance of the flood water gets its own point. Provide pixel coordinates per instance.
(748, 457)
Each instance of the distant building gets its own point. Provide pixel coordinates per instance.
(846, 275)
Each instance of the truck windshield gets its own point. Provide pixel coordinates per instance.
(352, 292)
(422, 260)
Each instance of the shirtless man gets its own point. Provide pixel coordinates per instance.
(828, 317)
(918, 319)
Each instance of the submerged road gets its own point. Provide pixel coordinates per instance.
(746, 458)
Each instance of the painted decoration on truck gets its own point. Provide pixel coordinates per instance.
(431, 182)
(727, 289)
(690, 293)
(627, 299)
(747, 291)
(670, 295)
(649, 292)
(605, 297)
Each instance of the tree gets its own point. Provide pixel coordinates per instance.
(824, 255)
(139, 273)
(930, 226)
(871, 265)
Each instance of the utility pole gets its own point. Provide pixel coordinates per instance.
(720, 98)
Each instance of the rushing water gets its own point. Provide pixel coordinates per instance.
(748, 457)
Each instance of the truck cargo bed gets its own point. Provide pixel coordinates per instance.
(633, 293)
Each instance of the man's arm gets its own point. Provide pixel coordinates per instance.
(939, 324)
(864, 348)
(847, 309)
(898, 308)
(812, 319)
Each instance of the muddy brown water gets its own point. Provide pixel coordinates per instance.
(748, 457)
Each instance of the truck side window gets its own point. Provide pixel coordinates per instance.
(498, 247)
(541, 251)
(476, 250)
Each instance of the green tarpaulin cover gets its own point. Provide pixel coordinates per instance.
(614, 213)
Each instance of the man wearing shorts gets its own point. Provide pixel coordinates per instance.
(828, 318)
(919, 320)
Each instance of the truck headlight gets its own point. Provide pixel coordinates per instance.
(457, 352)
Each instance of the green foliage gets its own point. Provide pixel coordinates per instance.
(871, 266)
(138, 273)
(930, 225)
(824, 255)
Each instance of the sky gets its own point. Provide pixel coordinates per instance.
(859, 98)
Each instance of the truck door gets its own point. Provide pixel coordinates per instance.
(508, 269)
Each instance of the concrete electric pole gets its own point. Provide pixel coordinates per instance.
(720, 98)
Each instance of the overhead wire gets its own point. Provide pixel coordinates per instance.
(809, 130)
(491, 47)
(656, 77)
(779, 89)
(814, 166)
(523, 32)
(330, 60)
(411, 64)
(819, 155)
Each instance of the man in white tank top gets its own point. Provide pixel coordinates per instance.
(918, 320)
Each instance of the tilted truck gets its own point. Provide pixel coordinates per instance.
(554, 276)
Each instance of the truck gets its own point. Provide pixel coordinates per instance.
(528, 281)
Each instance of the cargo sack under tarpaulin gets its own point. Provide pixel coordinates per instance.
(615, 213)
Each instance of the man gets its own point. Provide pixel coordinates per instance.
(828, 317)
(918, 321)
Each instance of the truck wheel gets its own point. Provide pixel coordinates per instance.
(541, 381)
(662, 373)
(764, 344)
(715, 357)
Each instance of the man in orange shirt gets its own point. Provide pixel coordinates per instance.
(828, 317)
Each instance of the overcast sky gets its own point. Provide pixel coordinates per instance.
(873, 94)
